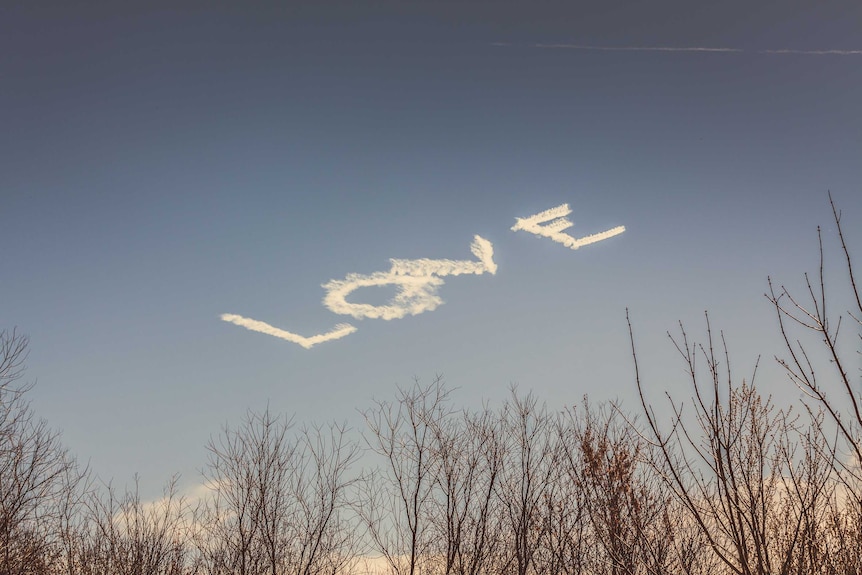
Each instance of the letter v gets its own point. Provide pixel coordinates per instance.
(339, 331)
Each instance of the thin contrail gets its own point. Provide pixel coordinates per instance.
(813, 52)
(688, 49)
(637, 48)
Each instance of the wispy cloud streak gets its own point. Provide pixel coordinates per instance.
(813, 52)
(339, 331)
(417, 282)
(555, 226)
(637, 48)
(690, 49)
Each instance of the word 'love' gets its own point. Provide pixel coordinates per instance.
(417, 281)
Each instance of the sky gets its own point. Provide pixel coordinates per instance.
(167, 168)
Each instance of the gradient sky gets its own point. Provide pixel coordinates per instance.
(162, 166)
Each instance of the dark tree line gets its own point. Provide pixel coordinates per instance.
(724, 482)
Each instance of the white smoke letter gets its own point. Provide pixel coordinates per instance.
(557, 223)
(339, 331)
(417, 282)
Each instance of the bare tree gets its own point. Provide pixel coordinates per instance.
(624, 503)
(326, 535)
(820, 378)
(36, 471)
(566, 544)
(396, 500)
(468, 455)
(530, 461)
(818, 360)
(734, 467)
(125, 535)
(278, 502)
(247, 471)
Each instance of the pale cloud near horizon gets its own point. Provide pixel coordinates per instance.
(828, 52)
(339, 331)
(417, 282)
(556, 223)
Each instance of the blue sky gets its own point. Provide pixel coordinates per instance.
(163, 165)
